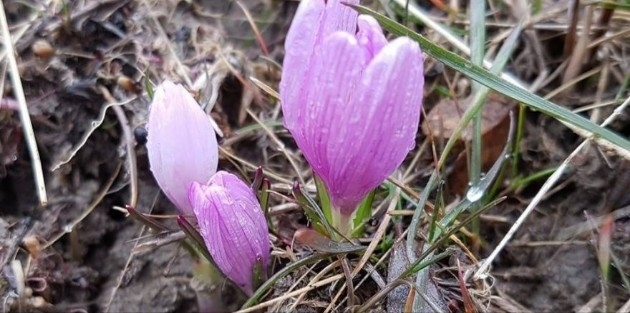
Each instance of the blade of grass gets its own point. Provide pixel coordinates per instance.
(502, 57)
(477, 12)
(447, 234)
(362, 214)
(475, 193)
(196, 244)
(152, 224)
(422, 265)
(422, 274)
(324, 199)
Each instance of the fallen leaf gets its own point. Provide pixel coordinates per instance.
(443, 119)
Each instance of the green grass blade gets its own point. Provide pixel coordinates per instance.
(324, 199)
(363, 213)
(477, 11)
(312, 210)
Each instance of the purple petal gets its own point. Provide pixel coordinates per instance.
(370, 35)
(299, 47)
(324, 105)
(314, 21)
(233, 226)
(387, 102)
(340, 17)
(181, 144)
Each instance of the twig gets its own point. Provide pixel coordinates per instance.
(345, 265)
(380, 232)
(299, 280)
(625, 307)
(93, 125)
(315, 279)
(25, 118)
(128, 137)
(579, 51)
(370, 270)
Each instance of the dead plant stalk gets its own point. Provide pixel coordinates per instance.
(25, 118)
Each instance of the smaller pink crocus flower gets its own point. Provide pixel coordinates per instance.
(350, 98)
(181, 143)
(233, 227)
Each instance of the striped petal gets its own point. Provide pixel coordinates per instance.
(314, 21)
(181, 144)
(233, 227)
(388, 100)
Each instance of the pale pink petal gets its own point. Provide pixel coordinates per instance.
(182, 145)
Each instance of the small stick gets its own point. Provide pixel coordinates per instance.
(25, 118)
(129, 144)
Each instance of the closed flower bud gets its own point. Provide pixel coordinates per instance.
(181, 143)
(350, 99)
(233, 227)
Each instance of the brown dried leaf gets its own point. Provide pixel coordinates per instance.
(443, 119)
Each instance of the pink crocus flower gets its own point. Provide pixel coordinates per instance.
(233, 227)
(350, 99)
(181, 144)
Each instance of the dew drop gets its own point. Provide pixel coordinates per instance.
(474, 194)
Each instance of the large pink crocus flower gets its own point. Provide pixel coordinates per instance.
(182, 144)
(350, 99)
(233, 227)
